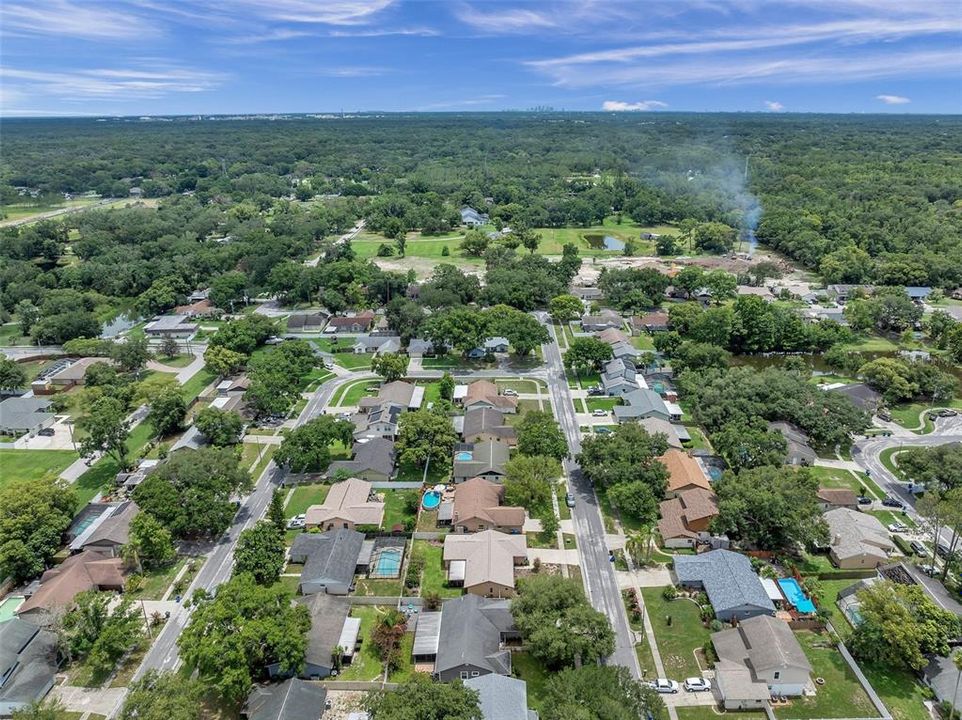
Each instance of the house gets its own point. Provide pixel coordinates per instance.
(863, 397)
(484, 459)
(602, 321)
(25, 415)
(621, 350)
(174, 326)
(378, 423)
(831, 498)
(330, 560)
(501, 697)
(477, 507)
(331, 627)
(817, 313)
(403, 394)
(28, 664)
(376, 344)
(293, 699)
(657, 426)
(72, 375)
(483, 563)
(418, 348)
(842, 293)
(763, 292)
(942, 676)
(357, 323)
(686, 517)
(474, 631)
(587, 294)
(619, 378)
(684, 473)
(347, 505)
(758, 659)
(472, 218)
(856, 539)
(484, 393)
(641, 403)
(612, 336)
(655, 321)
(373, 461)
(734, 590)
(496, 344)
(58, 586)
(918, 294)
(130, 480)
(109, 532)
(199, 308)
(483, 424)
(306, 322)
(797, 451)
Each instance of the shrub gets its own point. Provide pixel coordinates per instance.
(432, 601)
(133, 583)
(670, 592)
(536, 565)
(715, 625)
(445, 252)
(415, 566)
(711, 657)
(706, 613)
(702, 598)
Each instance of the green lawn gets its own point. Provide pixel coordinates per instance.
(33, 464)
(887, 517)
(840, 697)
(157, 581)
(602, 403)
(902, 694)
(698, 439)
(528, 385)
(366, 665)
(193, 387)
(396, 507)
(378, 588)
(350, 395)
(552, 239)
(415, 473)
(676, 642)
(304, 496)
(708, 712)
(536, 675)
(434, 578)
(405, 669)
(178, 361)
(838, 478)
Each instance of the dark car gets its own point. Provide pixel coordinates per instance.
(47, 432)
(941, 550)
(891, 502)
(947, 413)
(862, 500)
(918, 548)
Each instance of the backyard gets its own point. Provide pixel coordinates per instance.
(679, 640)
(33, 464)
(433, 578)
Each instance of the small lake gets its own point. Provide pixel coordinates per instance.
(121, 323)
(604, 242)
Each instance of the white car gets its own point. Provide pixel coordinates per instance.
(510, 393)
(697, 684)
(898, 528)
(664, 686)
(297, 521)
(599, 413)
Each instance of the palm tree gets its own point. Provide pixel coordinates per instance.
(638, 543)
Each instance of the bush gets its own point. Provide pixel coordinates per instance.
(384, 250)
(413, 576)
(133, 583)
(670, 592)
(432, 601)
(715, 625)
(903, 545)
(536, 565)
(711, 657)
(706, 613)
(445, 252)
(702, 599)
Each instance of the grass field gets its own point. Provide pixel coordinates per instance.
(366, 665)
(433, 578)
(678, 641)
(396, 507)
(707, 712)
(524, 666)
(193, 387)
(350, 395)
(303, 497)
(33, 464)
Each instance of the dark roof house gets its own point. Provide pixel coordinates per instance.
(330, 560)
(798, 451)
(502, 697)
(373, 461)
(293, 699)
(472, 634)
(733, 588)
(28, 664)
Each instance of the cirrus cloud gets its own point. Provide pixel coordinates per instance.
(893, 99)
(640, 106)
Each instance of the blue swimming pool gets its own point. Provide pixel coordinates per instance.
(464, 455)
(431, 499)
(387, 564)
(796, 596)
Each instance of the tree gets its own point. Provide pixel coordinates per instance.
(28, 315)
(527, 480)
(100, 636)
(627, 455)
(900, 625)
(523, 331)
(308, 448)
(105, 429)
(169, 347)
(540, 434)
(637, 499)
(167, 412)
(260, 551)
(390, 366)
(559, 626)
(226, 289)
(770, 508)
(420, 698)
(714, 237)
(12, 375)
(131, 355)
(585, 354)
(275, 511)
(150, 544)
(34, 514)
(405, 317)
(386, 636)
(698, 356)
(235, 634)
(690, 278)
(191, 493)
(475, 242)
(721, 285)
(598, 692)
(219, 427)
(446, 387)
(565, 308)
(939, 468)
(744, 445)
(163, 696)
(224, 361)
(425, 436)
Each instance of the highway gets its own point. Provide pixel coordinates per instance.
(596, 568)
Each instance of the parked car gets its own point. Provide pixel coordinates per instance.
(697, 684)
(884, 414)
(862, 500)
(599, 413)
(946, 412)
(570, 500)
(889, 501)
(918, 548)
(296, 522)
(47, 432)
(929, 570)
(898, 528)
(603, 431)
(664, 686)
(941, 550)
(508, 392)
(329, 364)
(595, 391)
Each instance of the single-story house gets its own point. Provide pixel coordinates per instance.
(684, 473)
(130, 480)
(943, 677)
(917, 293)
(763, 292)
(686, 517)
(612, 336)
(733, 588)
(378, 423)
(856, 539)
(19, 415)
(477, 507)
(108, 533)
(483, 563)
(357, 323)
(484, 459)
(28, 664)
(330, 560)
(621, 350)
(602, 321)
(657, 426)
(348, 504)
(487, 424)
(864, 397)
(586, 293)
(841, 292)
(484, 393)
(467, 638)
(293, 699)
(473, 218)
(376, 344)
(831, 498)
(74, 374)
(331, 627)
(403, 394)
(641, 403)
(418, 348)
(88, 570)
(502, 697)
(373, 461)
(798, 451)
(306, 322)
(759, 658)
(175, 326)
(655, 321)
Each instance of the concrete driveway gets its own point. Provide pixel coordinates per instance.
(60, 440)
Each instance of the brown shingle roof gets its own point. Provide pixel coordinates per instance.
(684, 471)
(678, 512)
(481, 499)
(837, 496)
(88, 570)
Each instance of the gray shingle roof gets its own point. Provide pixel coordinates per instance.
(19, 413)
(374, 454)
(292, 699)
(329, 557)
(501, 697)
(328, 613)
(727, 577)
(28, 663)
(471, 628)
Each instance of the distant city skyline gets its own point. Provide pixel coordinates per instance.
(186, 57)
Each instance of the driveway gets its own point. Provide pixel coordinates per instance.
(60, 440)
(92, 700)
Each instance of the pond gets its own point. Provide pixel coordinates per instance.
(121, 323)
(604, 242)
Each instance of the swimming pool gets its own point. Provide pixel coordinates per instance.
(464, 455)
(796, 596)
(8, 607)
(387, 564)
(431, 499)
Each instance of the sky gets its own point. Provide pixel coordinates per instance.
(160, 57)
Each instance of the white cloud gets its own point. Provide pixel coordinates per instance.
(325, 12)
(640, 106)
(62, 18)
(515, 20)
(384, 32)
(774, 105)
(352, 71)
(893, 99)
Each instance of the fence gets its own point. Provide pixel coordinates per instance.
(357, 685)
(847, 575)
(384, 600)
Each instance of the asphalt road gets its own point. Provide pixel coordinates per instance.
(597, 569)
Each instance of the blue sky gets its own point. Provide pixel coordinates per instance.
(139, 57)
